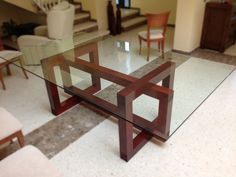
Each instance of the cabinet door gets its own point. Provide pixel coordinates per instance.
(215, 28)
(1, 44)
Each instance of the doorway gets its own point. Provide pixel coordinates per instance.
(123, 3)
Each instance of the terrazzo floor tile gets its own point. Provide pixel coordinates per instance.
(57, 134)
(205, 146)
(214, 56)
(231, 50)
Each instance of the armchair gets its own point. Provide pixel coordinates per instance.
(59, 35)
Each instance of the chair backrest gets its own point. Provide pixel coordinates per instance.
(158, 21)
(60, 21)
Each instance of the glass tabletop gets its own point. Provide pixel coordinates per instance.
(77, 71)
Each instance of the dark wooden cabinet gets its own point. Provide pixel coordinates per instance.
(219, 28)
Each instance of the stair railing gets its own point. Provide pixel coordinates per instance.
(46, 5)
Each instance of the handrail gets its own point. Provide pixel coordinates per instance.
(46, 5)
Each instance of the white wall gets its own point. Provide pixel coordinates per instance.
(101, 10)
(25, 4)
(189, 22)
(157, 6)
(19, 15)
(89, 5)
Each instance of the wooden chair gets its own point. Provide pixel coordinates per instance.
(6, 58)
(154, 21)
(10, 128)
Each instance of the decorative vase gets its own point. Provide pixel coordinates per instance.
(118, 21)
(111, 18)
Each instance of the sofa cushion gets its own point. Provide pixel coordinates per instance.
(154, 34)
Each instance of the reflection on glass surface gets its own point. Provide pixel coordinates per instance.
(123, 46)
(38, 48)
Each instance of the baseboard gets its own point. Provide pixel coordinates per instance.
(184, 53)
(92, 19)
(171, 25)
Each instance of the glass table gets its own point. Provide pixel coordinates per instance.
(153, 102)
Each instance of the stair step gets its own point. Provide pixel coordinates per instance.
(78, 7)
(81, 17)
(86, 26)
(134, 22)
(83, 38)
(127, 13)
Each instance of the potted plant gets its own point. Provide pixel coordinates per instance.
(10, 29)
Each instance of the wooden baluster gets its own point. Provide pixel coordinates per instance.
(111, 18)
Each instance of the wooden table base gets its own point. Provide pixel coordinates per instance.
(129, 146)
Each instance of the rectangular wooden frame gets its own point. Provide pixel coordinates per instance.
(129, 146)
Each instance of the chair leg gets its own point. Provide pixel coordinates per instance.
(8, 70)
(162, 49)
(1, 80)
(159, 46)
(140, 45)
(148, 49)
(20, 138)
(26, 76)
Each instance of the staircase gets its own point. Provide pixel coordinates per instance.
(85, 28)
(131, 19)
(83, 21)
(46, 6)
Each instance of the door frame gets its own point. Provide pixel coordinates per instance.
(122, 3)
